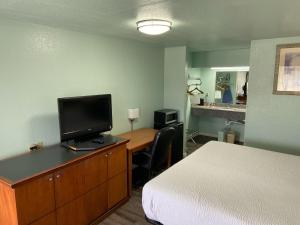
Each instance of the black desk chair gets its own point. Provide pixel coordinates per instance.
(155, 159)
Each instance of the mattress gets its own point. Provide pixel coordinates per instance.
(226, 184)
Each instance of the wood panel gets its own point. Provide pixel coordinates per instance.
(95, 171)
(139, 139)
(35, 199)
(117, 189)
(129, 172)
(69, 184)
(8, 210)
(117, 161)
(47, 220)
(85, 209)
(79, 193)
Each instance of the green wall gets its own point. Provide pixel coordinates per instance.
(175, 76)
(272, 121)
(176, 63)
(237, 57)
(40, 64)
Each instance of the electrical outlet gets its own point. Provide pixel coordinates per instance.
(37, 146)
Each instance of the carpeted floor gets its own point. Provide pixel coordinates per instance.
(129, 214)
(190, 147)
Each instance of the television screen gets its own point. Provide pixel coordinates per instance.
(82, 116)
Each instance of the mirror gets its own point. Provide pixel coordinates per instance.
(231, 87)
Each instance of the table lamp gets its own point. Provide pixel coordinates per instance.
(132, 115)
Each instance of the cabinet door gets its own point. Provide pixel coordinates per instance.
(35, 199)
(85, 209)
(95, 171)
(117, 189)
(47, 220)
(117, 161)
(69, 183)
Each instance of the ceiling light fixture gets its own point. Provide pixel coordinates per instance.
(154, 27)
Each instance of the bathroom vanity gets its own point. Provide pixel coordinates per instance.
(227, 112)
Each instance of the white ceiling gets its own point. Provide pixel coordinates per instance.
(199, 24)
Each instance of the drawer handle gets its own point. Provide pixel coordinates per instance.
(110, 153)
(106, 155)
(50, 179)
(58, 176)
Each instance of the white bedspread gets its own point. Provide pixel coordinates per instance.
(225, 184)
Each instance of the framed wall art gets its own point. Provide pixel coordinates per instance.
(287, 70)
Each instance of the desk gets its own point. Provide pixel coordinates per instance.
(138, 140)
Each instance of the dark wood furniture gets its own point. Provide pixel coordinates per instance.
(56, 186)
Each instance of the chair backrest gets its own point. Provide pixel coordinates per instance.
(160, 147)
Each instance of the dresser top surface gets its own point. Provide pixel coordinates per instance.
(19, 168)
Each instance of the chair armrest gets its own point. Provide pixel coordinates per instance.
(141, 158)
(146, 154)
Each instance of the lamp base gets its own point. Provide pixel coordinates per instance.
(131, 124)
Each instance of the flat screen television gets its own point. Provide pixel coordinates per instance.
(84, 116)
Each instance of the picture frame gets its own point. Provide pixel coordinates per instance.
(287, 70)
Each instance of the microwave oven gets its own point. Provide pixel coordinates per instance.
(165, 116)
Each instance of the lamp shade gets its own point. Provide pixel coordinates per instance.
(133, 113)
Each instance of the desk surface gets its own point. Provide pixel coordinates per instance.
(139, 139)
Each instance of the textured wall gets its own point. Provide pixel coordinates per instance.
(272, 121)
(40, 64)
(238, 57)
(175, 72)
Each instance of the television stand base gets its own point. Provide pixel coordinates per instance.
(99, 140)
(90, 145)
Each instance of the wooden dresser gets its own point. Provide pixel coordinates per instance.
(56, 186)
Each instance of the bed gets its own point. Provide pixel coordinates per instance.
(226, 184)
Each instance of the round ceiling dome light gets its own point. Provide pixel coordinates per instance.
(154, 27)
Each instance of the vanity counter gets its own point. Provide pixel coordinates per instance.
(227, 112)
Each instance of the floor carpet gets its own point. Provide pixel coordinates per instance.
(129, 214)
